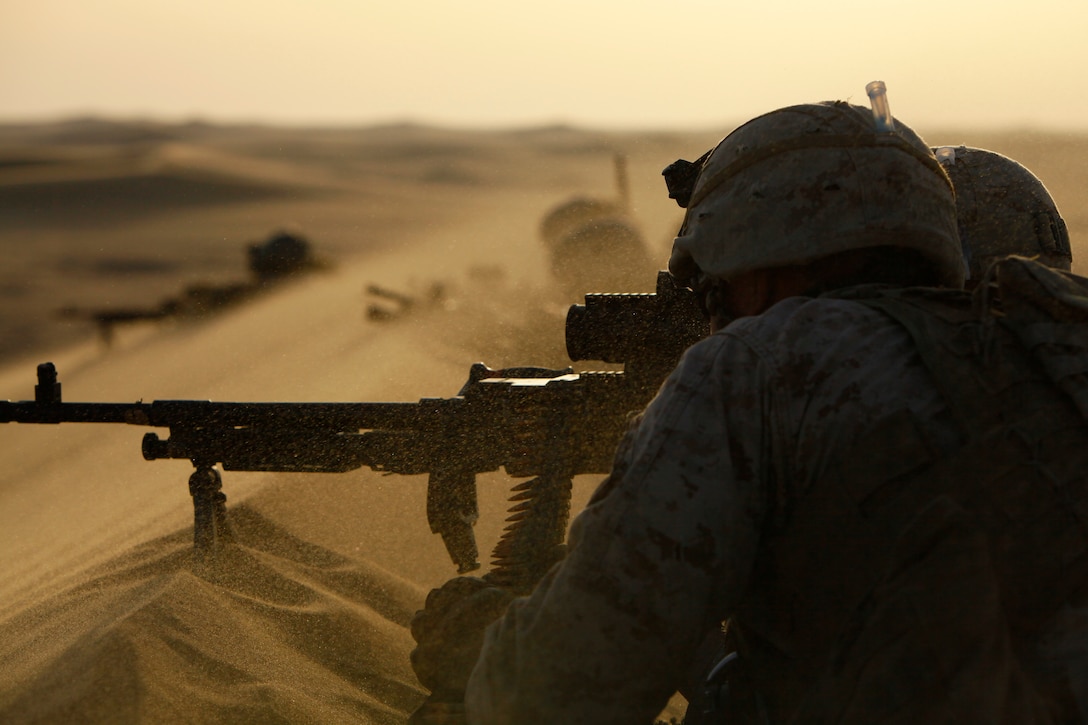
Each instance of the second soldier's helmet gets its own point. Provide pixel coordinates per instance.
(810, 181)
(1003, 209)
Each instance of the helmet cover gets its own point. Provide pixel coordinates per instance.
(1003, 209)
(810, 181)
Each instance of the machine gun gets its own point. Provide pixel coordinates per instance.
(532, 422)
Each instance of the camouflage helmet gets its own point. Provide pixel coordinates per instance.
(810, 181)
(1003, 209)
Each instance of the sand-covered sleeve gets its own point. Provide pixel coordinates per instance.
(656, 559)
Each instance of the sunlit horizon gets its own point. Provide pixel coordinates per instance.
(693, 64)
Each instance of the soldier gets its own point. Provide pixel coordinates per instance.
(1002, 209)
(870, 477)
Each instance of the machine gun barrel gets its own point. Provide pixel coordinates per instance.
(170, 413)
(29, 411)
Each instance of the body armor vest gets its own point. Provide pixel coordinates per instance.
(1011, 363)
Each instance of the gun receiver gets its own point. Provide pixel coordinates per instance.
(548, 424)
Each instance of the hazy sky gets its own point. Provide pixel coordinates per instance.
(631, 63)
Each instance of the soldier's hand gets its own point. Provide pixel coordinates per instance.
(449, 633)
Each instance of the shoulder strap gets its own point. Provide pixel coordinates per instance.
(1047, 311)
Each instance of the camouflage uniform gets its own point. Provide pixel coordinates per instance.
(673, 541)
(666, 549)
(879, 487)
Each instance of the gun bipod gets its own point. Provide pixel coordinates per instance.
(211, 528)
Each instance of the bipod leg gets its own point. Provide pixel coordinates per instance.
(210, 525)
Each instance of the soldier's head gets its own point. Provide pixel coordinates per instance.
(1002, 209)
(813, 197)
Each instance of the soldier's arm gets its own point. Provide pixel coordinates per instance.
(655, 560)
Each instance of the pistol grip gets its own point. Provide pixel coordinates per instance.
(452, 513)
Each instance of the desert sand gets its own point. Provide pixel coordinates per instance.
(105, 616)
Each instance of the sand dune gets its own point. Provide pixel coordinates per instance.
(104, 617)
(273, 630)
